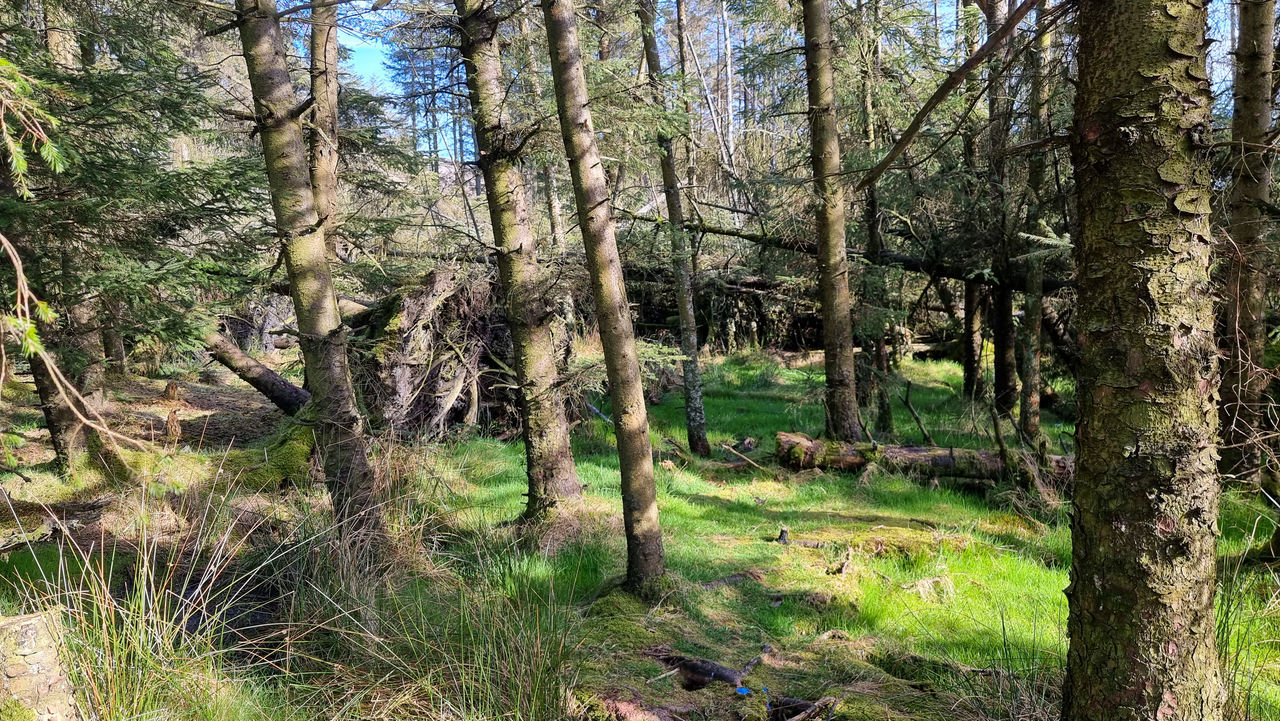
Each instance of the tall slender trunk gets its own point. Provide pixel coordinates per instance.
(1000, 107)
(549, 458)
(1033, 308)
(1141, 619)
(843, 419)
(323, 139)
(971, 335)
(875, 294)
(1243, 316)
(352, 482)
(695, 415)
(645, 562)
(730, 125)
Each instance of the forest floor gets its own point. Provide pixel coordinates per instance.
(922, 602)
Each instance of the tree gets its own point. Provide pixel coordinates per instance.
(323, 138)
(844, 421)
(530, 312)
(1141, 621)
(1243, 329)
(1033, 309)
(645, 562)
(695, 415)
(351, 481)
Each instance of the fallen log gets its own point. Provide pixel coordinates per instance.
(287, 397)
(697, 673)
(799, 451)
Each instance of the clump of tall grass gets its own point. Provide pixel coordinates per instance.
(235, 626)
(1247, 598)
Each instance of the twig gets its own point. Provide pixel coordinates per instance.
(661, 676)
(919, 424)
(599, 413)
(731, 449)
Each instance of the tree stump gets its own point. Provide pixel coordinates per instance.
(173, 427)
(33, 680)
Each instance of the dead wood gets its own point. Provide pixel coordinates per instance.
(285, 395)
(799, 451)
(698, 673)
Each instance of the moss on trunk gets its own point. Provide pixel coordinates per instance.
(1141, 621)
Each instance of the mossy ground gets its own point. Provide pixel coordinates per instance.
(920, 603)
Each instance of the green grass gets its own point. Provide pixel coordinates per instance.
(938, 584)
(938, 575)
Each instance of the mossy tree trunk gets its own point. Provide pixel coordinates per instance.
(530, 313)
(323, 139)
(1243, 331)
(645, 561)
(1141, 619)
(844, 422)
(351, 481)
(695, 415)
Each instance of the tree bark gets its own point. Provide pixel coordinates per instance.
(67, 434)
(1243, 331)
(323, 139)
(798, 451)
(844, 422)
(351, 481)
(875, 295)
(645, 561)
(695, 415)
(548, 456)
(285, 395)
(1004, 359)
(1141, 600)
(1033, 308)
(971, 341)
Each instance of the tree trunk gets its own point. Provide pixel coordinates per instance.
(798, 451)
(1033, 309)
(67, 434)
(1004, 359)
(323, 139)
(1000, 110)
(1141, 619)
(549, 458)
(695, 415)
(843, 419)
(1243, 330)
(645, 563)
(117, 358)
(351, 481)
(971, 340)
(875, 296)
(285, 395)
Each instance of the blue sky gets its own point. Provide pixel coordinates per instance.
(366, 59)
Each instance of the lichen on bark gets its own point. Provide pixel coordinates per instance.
(1141, 621)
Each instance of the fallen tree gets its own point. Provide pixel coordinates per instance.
(287, 397)
(799, 451)
(934, 268)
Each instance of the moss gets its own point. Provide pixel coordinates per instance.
(13, 710)
(618, 619)
(286, 460)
